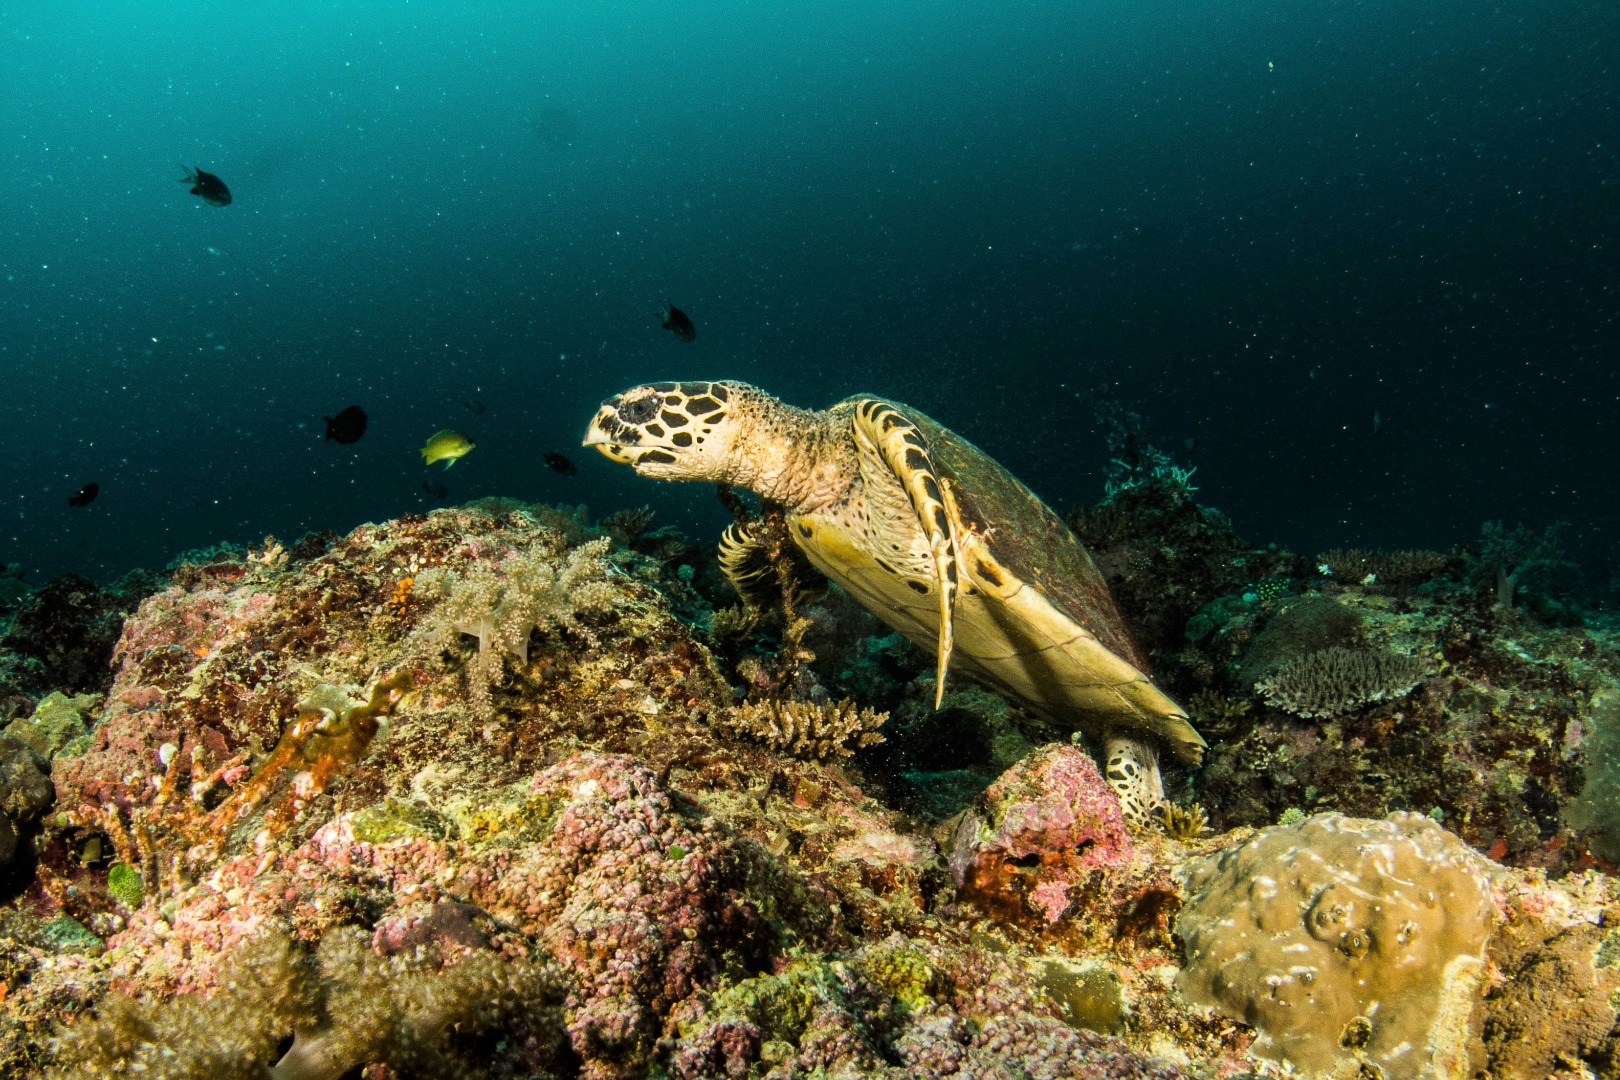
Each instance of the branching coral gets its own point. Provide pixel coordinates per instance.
(1332, 682)
(807, 730)
(345, 1006)
(332, 729)
(730, 627)
(545, 586)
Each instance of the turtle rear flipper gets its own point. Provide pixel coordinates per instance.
(1132, 768)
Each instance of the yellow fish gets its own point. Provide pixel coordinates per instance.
(446, 446)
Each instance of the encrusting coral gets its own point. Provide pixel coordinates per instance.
(809, 730)
(1340, 937)
(1331, 682)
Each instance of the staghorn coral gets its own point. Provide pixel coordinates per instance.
(345, 1006)
(1343, 938)
(332, 728)
(544, 585)
(1332, 682)
(807, 730)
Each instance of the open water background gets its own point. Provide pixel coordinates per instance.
(1256, 224)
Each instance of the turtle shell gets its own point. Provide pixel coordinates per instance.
(1033, 617)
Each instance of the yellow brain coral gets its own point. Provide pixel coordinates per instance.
(1343, 940)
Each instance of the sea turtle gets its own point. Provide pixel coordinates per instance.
(933, 537)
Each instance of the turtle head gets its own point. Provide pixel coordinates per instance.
(671, 431)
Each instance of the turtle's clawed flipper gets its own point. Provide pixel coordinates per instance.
(1132, 769)
(904, 449)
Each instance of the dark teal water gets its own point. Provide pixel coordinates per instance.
(1258, 225)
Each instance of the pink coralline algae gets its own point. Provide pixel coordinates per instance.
(155, 696)
(638, 900)
(1037, 834)
(641, 902)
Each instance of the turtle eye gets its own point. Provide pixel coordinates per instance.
(641, 409)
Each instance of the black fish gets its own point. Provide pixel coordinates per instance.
(676, 322)
(435, 489)
(347, 426)
(474, 406)
(210, 187)
(560, 464)
(86, 495)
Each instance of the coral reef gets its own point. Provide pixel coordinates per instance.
(61, 636)
(1339, 938)
(470, 793)
(1332, 682)
(892, 1010)
(642, 904)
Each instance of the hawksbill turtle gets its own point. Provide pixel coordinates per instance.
(934, 538)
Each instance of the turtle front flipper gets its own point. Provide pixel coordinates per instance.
(882, 429)
(746, 562)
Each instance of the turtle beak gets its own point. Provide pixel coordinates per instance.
(600, 435)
